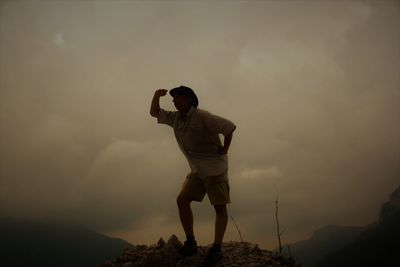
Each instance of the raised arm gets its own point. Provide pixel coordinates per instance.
(155, 103)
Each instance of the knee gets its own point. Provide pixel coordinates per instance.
(182, 201)
(221, 210)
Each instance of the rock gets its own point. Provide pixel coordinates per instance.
(161, 243)
(107, 264)
(236, 254)
(173, 242)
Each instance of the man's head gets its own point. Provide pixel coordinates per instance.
(184, 98)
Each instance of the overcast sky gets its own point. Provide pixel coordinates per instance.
(313, 87)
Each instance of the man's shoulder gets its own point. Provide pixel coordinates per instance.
(207, 114)
(202, 112)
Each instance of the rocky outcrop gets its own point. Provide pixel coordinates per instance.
(165, 254)
(391, 207)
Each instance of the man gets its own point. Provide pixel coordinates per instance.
(197, 133)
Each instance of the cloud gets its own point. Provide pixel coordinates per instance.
(126, 183)
(57, 136)
(315, 99)
(59, 39)
(270, 172)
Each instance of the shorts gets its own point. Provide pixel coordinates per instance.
(216, 187)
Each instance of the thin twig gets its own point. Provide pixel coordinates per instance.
(237, 228)
(277, 223)
(289, 251)
(243, 252)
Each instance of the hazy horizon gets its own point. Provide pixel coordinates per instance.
(313, 87)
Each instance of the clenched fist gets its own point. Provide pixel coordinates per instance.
(161, 92)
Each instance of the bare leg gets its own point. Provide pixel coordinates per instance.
(186, 215)
(221, 222)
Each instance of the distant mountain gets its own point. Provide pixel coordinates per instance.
(379, 245)
(31, 244)
(324, 241)
(336, 246)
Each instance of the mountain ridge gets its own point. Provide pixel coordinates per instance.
(372, 245)
(323, 241)
(48, 244)
(378, 245)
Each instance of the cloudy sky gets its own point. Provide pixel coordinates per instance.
(313, 87)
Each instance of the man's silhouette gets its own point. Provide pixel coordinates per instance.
(197, 133)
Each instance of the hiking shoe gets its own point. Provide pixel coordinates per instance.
(213, 257)
(188, 249)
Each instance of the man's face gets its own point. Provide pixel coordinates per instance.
(181, 102)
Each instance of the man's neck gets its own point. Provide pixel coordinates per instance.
(184, 113)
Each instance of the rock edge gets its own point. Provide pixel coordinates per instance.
(165, 254)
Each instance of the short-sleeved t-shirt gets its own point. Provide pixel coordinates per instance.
(198, 137)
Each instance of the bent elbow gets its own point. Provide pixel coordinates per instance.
(154, 113)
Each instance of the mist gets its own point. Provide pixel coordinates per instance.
(313, 87)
